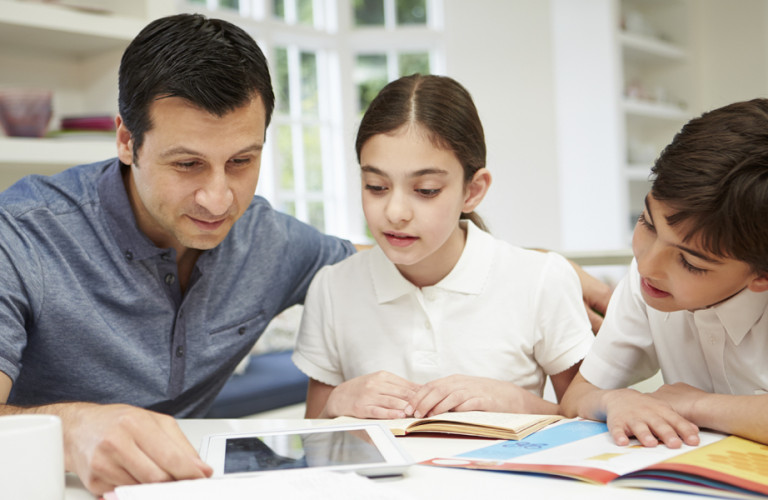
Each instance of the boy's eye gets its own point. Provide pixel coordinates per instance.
(690, 267)
(645, 223)
(428, 193)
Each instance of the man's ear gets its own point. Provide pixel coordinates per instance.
(476, 190)
(759, 284)
(124, 142)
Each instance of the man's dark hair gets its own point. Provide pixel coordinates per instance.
(714, 177)
(213, 64)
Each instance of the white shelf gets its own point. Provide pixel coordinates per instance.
(636, 172)
(640, 48)
(650, 109)
(58, 30)
(54, 152)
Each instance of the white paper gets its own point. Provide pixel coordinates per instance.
(285, 485)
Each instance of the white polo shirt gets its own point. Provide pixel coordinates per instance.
(722, 349)
(503, 312)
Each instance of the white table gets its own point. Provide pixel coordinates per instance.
(426, 481)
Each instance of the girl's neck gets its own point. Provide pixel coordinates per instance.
(437, 266)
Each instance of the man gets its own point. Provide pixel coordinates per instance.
(146, 279)
(131, 288)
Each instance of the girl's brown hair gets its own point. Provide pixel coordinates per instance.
(442, 107)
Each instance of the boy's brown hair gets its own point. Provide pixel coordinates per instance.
(714, 176)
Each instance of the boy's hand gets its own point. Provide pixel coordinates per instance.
(376, 395)
(466, 393)
(648, 418)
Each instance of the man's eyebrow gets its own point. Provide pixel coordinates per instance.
(424, 171)
(183, 150)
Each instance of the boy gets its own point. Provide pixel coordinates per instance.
(693, 304)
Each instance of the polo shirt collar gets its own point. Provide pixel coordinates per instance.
(120, 218)
(740, 313)
(469, 275)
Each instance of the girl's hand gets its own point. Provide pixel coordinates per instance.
(466, 393)
(376, 395)
(648, 418)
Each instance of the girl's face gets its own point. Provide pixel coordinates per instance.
(413, 196)
(681, 275)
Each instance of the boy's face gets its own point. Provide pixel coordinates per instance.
(195, 174)
(679, 275)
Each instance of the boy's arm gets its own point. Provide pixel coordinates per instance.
(629, 413)
(740, 415)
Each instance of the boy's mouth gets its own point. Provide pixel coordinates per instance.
(652, 291)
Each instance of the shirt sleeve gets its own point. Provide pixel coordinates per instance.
(316, 352)
(564, 331)
(19, 288)
(623, 353)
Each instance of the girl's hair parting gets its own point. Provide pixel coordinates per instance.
(442, 107)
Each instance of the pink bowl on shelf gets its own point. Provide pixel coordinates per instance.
(25, 112)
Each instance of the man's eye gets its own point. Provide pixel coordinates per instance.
(186, 164)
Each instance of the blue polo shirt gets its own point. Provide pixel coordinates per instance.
(91, 309)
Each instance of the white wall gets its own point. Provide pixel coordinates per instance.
(502, 52)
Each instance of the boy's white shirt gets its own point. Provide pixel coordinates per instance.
(503, 312)
(722, 349)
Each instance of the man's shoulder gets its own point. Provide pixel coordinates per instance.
(56, 193)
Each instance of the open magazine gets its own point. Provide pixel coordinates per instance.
(724, 466)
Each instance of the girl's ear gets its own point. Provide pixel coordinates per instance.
(124, 142)
(476, 190)
(759, 284)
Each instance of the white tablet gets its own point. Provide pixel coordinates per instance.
(368, 449)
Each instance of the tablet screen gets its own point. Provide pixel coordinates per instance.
(291, 451)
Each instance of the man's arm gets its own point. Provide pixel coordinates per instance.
(112, 445)
(629, 413)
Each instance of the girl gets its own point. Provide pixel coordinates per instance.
(439, 316)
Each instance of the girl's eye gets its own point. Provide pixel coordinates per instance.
(690, 267)
(644, 222)
(375, 189)
(428, 193)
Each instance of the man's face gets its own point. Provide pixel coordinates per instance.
(195, 174)
(681, 275)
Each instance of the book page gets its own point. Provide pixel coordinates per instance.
(578, 449)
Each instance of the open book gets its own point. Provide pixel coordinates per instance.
(471, 423)
(723, 466)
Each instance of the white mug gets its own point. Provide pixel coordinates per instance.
(31, 457)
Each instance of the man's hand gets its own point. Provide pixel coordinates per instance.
(376, 395)
(467, 393)
(112, 445)
(596, 296)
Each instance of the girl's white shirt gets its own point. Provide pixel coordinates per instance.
(503, 312)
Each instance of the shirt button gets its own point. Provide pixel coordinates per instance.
(166, 256)
(427, 325)
(129, 255)
(180, 351)
(241, 330)
(170, 279)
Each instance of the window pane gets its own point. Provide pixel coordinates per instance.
(411, 11)
(287, 207)
(229, 4)
(417, 62)
(284, 156)
(369, 12)
(313, 159)
(305, 13)
(317, 215)
(282, 85)
(197, 2)
(370, 77)
(278, 9)
(309, 105)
